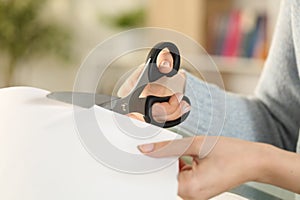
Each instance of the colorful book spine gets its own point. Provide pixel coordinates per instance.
(233, 35)
(230, 39)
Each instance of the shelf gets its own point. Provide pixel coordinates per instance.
(194, 22)
(238, 65)
(227, 65)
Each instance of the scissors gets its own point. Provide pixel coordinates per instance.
(133, 102)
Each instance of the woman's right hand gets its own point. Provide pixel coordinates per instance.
(166, 111)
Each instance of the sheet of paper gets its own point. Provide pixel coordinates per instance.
(45, 154)
(226, 196)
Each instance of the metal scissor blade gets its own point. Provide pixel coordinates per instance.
(82, 99)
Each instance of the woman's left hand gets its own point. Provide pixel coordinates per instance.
(230, 163)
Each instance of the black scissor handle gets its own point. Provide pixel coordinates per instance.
(154, 73)
(150, 100)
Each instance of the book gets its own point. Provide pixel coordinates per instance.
(238, 34)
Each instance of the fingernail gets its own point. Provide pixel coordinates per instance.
(146, 148)
(179, 96)
(165, 64)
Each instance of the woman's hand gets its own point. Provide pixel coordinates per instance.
(166, 111)
(230, 163)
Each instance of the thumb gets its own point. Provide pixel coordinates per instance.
(183, 147)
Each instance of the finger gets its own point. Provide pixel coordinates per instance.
(161, 111)
(183, 165)
(167, 108)
(165, 61)
(137, 116)
(183, 108)
(187, 146)
(171, 110)
(156, 90)
(128, 85)
(166, 86)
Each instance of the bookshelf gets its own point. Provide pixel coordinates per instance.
(202, 19)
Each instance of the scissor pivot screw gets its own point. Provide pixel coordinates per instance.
(124, 107)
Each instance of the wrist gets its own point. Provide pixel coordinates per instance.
(260, 162)
(267, 156)
(278, 167)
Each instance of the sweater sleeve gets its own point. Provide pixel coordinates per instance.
(272, 115)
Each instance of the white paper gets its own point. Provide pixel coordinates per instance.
(228, 196)
(42, 157)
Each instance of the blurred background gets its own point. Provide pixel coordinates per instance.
(43, 42)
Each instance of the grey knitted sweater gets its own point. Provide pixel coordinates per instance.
(272, 115)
